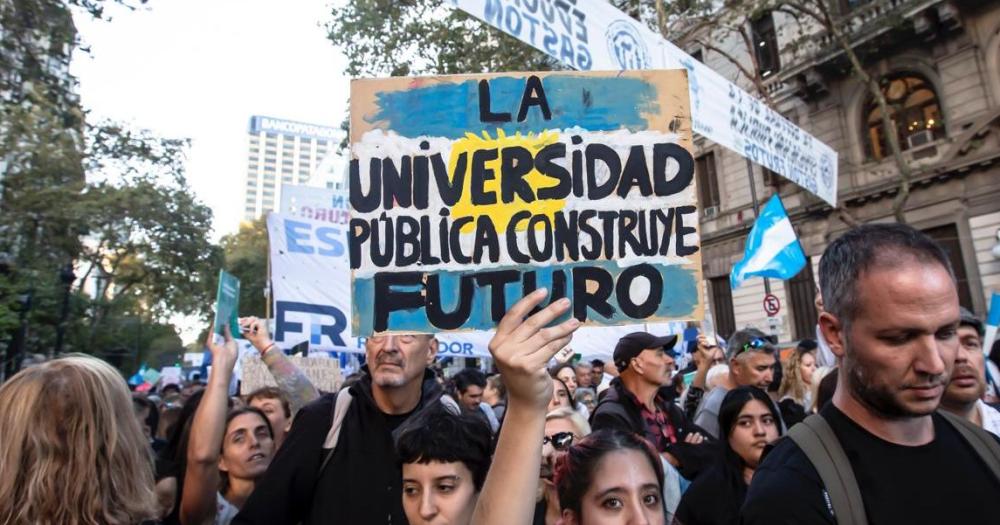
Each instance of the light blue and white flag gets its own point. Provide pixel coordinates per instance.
(772, 249)
(992, 322)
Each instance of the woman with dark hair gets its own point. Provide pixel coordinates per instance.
(610, 477)
(749, 422)
(445, 459)
(228, 450)
(561, 396)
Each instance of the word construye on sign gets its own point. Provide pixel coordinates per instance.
(469, 191)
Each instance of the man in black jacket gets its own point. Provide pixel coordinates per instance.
(361, 481)
(632, 403)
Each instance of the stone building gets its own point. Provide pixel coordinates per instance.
(938, 63)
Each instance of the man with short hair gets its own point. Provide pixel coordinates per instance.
(469, 386)
(891, 317)
(596, 372)
(584, 379)
(273, 404)
(964, 394)
(632, 403)
(353, 476)
(752, 359)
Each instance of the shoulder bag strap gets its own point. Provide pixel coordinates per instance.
(817, 440)
(981, 441)
(340, 406)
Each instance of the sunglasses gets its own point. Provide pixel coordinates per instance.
(560, 440)
(754, 344)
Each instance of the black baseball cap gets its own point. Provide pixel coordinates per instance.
(633, 344)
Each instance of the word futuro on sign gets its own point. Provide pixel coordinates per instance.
(467, 192)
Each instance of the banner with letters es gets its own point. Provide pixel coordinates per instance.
(593, 35)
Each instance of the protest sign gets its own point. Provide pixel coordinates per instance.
(321, 204)
(595, 35)
(323, 373)
(469, 191)
(227, 304)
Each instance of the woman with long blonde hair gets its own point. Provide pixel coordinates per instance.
(795, 392)
(71, 451)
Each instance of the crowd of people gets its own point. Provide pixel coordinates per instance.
(886, 417)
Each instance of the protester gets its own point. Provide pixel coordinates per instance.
(72, 451)
(597, 373)
(563, 427)
(495, 395)
(632, 404)
(891, 318)
(964, 394)
(705, 356)
(226, 452)
(587, 398)
(275, 406)
(567, 375)
(748, 422)
(470, 383)
(350, 473)
(148, 416)
(521, 348)
(611, 477)
(822, 376)
(584, 375)
(751, 358)
(795, 392)
(445, 459)
(560, 396)
(171, 463)
(295, 387)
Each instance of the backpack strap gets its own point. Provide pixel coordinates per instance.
(821, 446)
(340, 406)
(981, 441)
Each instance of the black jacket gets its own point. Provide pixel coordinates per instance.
(618, 410)
(362, 481)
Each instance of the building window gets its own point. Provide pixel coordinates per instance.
(914, 111)
(698, 55)
(846, 6)
(947, 237)
(765, 43)
(801, 291)
(722, 306)
(708, 181)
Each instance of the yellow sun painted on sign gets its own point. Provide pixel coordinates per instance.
(501, 212)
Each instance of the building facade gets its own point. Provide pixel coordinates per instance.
(938, 64)
(287, 152)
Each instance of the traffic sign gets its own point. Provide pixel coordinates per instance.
(772, 305)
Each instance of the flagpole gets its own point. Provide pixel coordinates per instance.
(756, 212)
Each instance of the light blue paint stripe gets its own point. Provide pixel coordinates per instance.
(680, 297)
(452, 109)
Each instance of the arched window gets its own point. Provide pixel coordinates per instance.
(914, 110)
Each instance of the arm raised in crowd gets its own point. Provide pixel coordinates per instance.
(522, 347)
(291, 381)
(201, 480)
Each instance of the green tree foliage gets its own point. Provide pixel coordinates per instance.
(246, 253)
(410, 37)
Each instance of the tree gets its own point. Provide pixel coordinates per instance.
(246, 254)
(401, 38)
(707, 24)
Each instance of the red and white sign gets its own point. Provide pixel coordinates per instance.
(772, 305)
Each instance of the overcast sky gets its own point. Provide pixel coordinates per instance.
(200, 69)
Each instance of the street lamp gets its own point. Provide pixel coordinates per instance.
(66, 277)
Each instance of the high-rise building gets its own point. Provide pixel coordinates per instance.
(288, 152)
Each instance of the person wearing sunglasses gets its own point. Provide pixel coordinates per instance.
(752, 358)
(563, 427)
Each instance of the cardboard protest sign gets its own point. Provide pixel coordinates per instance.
(323, 373)
(469, 191)
(227, 304)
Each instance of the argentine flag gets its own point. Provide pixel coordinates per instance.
(992, 323)
(772, 249)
